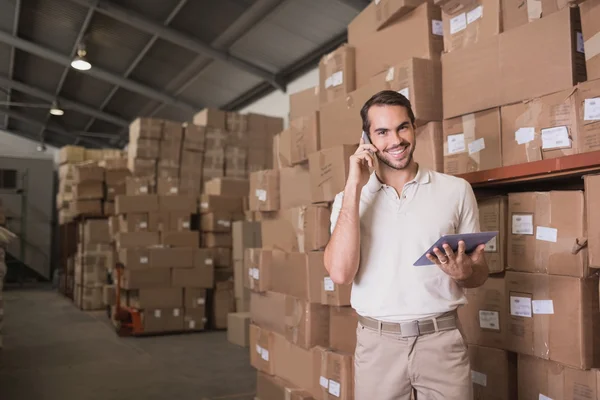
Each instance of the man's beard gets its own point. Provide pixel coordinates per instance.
(399, 164)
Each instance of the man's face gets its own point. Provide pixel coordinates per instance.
(393, 134)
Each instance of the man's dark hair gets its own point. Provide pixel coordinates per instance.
(385, 98)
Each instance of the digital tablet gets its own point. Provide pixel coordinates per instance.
(472, 240)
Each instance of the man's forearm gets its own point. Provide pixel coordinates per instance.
(479, 275)
(342, 253)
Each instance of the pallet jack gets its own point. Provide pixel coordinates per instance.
(127, 320)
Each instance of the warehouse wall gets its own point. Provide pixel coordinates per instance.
(35, 175)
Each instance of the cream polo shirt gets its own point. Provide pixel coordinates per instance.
(395, 230)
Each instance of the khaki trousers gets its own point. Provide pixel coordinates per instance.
(388, 367)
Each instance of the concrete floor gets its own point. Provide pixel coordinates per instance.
(54, 351)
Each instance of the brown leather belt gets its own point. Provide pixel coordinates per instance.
(444, 322)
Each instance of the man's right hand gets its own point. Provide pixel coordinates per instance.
(360, 161)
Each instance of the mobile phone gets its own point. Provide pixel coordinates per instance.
(365, 138)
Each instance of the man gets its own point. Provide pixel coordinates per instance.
(408, 335)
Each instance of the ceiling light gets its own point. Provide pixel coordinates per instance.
(41, 147)
(80, 62)
(55, 110)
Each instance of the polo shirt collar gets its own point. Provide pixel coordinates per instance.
(422, 177)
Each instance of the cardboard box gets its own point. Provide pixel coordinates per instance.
(190, 182)
(212, 239)
(135, 259)
(142, 148)
(178, 203)
(514, 15)
(316, 226)
(471, 23)
(304, 102)
(88, 172)
(167, 186)
(113, 191)
(204, 257)
(167, 171)
(71, 154)
(146, 128)
(92, 269)
(297, 229)
(216, 222)
(429, 151)
(472, 142)
(137, 185)
(590, 23)
(116, 176)
(592, 199)
(234, 187)
(264, 190)
(421, 25)
(257, 267)
(145, 279)
(216, 138)
(170, 152)
(159, 221)
(193, 138)
(209, 203)
(223, 304)
(329, 172)
(493, 217)
(543, 237)
(140, 167)
(109, 295)
(162, 320)
(294, 187)
(337, 74)
(262, 345)
(589, 115)
(338, 370)
(259, 159)
(210, 117)
(512, 66)
(129, 240)
(238, 328)
(343, 322)
(179, 221)
(299, 140)
(552, 317)
(181, 239)
(108, 208)
(88, 298)
(273, 388)
(293, 274)
(293, 363)
(194, 298)
(542, 128)
(494, 373)
(198, 277)
(306, 324)
(88, 190)
(484, 318)
(135, 222)
(541, 379)
(194, 319)
(95, 231)
(136, 204)
(167, 257)
(245, 235)
(156, 298)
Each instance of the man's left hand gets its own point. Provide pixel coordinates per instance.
(459, 266)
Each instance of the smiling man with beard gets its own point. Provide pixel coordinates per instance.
(408, 335)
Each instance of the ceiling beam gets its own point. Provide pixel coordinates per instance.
(96, 72)
(181, 39)
(137, 60)
(82, 31)
(13, 50)
(49, 97)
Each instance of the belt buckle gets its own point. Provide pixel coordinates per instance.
(409, 329)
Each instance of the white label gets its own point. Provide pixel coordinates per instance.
(542, 397)
(143, 225)
(377, 2)
(492, 245)
(255, 273)
(265, 354)
(437, 27)
(208, 261)
(456, 143)
(192, 324)
(546, 234)
(525, 135)
(173, 190)
(522, 224)
(458, 23)
(474, 14)
(580, 45)
(224, 223)
(489, 320)
(553, 138)
(591, 109)
(479, 378)
(324, 382)
(390, 75)
(176, 312)
(261, 194)
(250, 272)
(144, 189)
(185, 224)
(337, 79)
(520, 306)
(204, 205)
(156, 313)
(258, 349)
(542, 306)
(328, 284)
(328, 82)
(334, 388)
(143, 260)
(200, 301)
(405, 92)
(476, 146)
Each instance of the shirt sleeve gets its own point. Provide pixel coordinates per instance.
(469, 215)
(335, 210)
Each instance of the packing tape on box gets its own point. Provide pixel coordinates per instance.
(534, 10)
(300, 228)
(539, 216)
(474, 146)
(526, 122)
(592, 47)
(293, 318)
(542, 317)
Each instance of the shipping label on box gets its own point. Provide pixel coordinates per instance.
(209, 203)
(261, 349)
(257, 268)
(216, 222)
(336, 374)
(194, 319)
(337, 74)
(135, 259)
(128, 240)
(493, 373)
(264, 190)
(468, 24)
(194, 298)
(140, 186)
(167, 186)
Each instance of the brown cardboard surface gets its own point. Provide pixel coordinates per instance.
(166, 257)
(494, 373)
(191, 161)
(194, 297)
(159, 221)
(294, 275)
(337, 74)
(245, 234)
(234, 187)
(484, 319)
(199, 277)
(135, 259)
(113, 191)
(472, 142)
(372, 52)
(537, 378)
(299, 140)
(294, 187)
(213, 239)
(268, 310)
(560, 328)
(146, 128)
(262, 346)
(88, 172)
(216, 222)
(589, 127)
(471, 23)
(204, 257)
(140, 167)
(260, 159)
(304, 102)
(342, 329)
(378, 15)
(162, 320)
(592, 200)
(264, 190)
(293, 363)
(96, 231)
(329, 171)
(88, 190)
(223, 304)
(513, 66)
(543, 237)
(135, 222)
(193, 138)
(590, 24)
(338, 369)
(238, 328)
(156, 298)
(258, 266)
(108, 208)
(144, 148)
(273, 388)
(209, 203)
(194, 319)
(429, 151)
(542, 128)
(116, 176)
(236, 161)
(145, 279)
(493, 216)
(297, 229)
(136, 185)
(71, 154)
(180, 239)
(129, 240)
(306, 324)
(178, 203)
(179, 221)
(136, 204)
(514, 15)
(238, 281)
(167, 187)
(210, 117)
(316, 227)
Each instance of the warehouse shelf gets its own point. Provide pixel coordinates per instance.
(568, 166)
